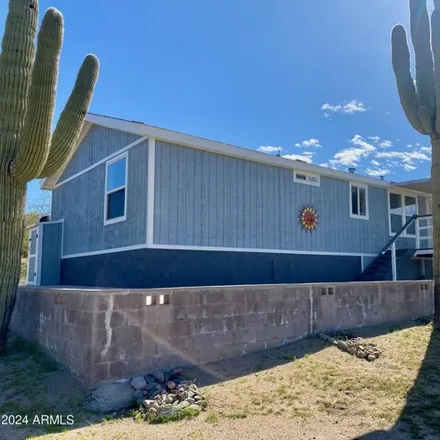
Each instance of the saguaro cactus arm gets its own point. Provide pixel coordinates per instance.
(426, 117)
(404, 80)
(27, 99)
(17, 56)
(34, 148)
(435, 23)
(421, 103)
(421, 39)
(72, 118)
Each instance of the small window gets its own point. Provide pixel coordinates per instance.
(116, 190)
(308, 179)
(358, 201)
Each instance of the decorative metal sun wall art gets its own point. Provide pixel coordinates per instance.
(308, 218)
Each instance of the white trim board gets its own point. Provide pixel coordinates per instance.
(102, 161)
(261, 251)
(219, 148)
(52, 222)
(423, 252)
(39, 255)
(218, 249)
(34, 255)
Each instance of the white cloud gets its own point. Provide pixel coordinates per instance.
(359, 140)
(327, 165)
(269, 149)
(346, 107)
(383, 143)
(352, 156)
(309, 143)
(375, 139)
(386, 144)
(407, 167)
(426, 149)
(404, 159)
(375, 163)
(377, 172)
(305, 157)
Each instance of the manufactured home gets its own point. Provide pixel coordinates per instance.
(141, 206)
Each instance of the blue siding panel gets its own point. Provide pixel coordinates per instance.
(80, 202)
(219, 201)
(51, 254)
(99, 143)
(409, 269)
(150, 268)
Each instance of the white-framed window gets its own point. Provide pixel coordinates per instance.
(401, 208)
(358, 201)
(115, 202)
(306, 178)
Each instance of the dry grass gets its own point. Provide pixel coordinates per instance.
(307, 390)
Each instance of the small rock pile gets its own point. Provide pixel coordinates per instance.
(355, 346)
(166, 394)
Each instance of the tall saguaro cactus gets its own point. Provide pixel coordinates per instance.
(420, 100)
(28, 149)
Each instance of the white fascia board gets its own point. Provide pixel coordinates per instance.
(226, 149)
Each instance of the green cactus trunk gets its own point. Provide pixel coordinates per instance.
(10, 239)
(12, 201)
(28, 150)
(420, 101)
(435, 180)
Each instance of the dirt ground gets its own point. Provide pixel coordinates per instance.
(307, 390)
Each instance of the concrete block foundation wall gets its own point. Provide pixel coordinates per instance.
(104, 334)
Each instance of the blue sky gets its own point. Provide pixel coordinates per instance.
(312, 77)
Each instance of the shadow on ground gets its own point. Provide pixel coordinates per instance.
(31, 384)
(420, 419)
(224, 370)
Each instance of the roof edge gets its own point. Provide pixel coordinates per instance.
(200, 143)
(197, 142)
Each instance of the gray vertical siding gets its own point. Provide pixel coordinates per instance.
(409, 269)
(51, 254)
(99, 143)
(429, 270)
(80, 202)
(205, 199)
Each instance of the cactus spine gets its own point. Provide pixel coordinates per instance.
(28, 149)
(421, 101)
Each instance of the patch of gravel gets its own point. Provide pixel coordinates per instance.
(355, 346)
(167, 395)
(159, 396)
